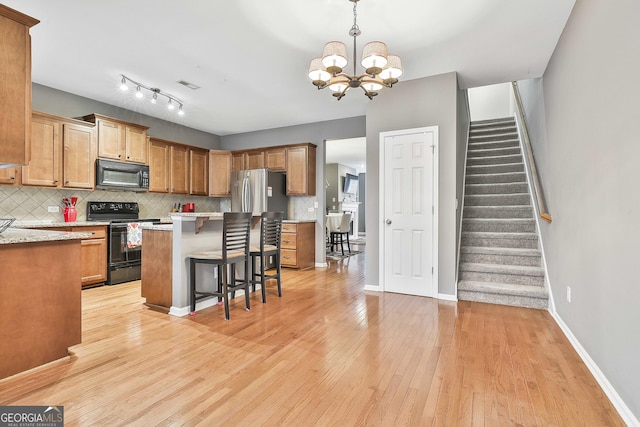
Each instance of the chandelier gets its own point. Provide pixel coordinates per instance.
(381, 70)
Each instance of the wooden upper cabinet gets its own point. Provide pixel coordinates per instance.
(78, 156)
(301, 170)
(254, 159)
(238, 160)
(179, 169)
(120, 140)
(219, 173)
(15, 86)
(63, 153)
(275, 159)
(158, 166)
(44, 167)
(199, 172)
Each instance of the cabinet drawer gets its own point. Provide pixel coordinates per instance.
(288, 257)
(289, 241)
(289, 228)
(97, 232)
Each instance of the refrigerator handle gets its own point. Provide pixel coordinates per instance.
(246, 196)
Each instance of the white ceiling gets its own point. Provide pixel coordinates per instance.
(251, 57)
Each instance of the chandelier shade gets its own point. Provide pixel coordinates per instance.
(380, 69)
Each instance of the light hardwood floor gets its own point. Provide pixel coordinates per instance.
(326, 353)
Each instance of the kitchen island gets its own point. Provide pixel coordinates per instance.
(40, 309)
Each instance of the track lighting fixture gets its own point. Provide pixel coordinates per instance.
(172, 100)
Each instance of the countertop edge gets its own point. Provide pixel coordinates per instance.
(18, 235)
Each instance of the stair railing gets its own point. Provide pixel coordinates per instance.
(529, 159)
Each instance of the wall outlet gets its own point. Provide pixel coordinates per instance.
(311, 209)
(53, 208)
(568, 294)
(315, 205)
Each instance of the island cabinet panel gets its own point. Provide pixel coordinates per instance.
(275, 159)
(15, 86)
(157, 271)
(159, 161)
(199, 172)
(179, 169)
(298, 245)
(301, 170)
(44, 167)
(78, 156)
(41, 309)
(120, 140)
(219, 173)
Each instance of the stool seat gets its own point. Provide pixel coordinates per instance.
(255, 249)
(216, 254)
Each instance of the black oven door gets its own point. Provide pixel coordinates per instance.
(124, 258)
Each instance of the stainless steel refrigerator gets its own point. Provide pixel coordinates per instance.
(257, 191)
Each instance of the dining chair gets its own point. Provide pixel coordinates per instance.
(235, 248)
(343, 230)
(270, 239)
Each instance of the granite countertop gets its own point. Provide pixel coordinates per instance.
(49, 223)
(18, 235)
(156, 227)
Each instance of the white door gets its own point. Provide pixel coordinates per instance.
(408, 230)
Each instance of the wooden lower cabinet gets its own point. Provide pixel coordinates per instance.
(298, 245)
(93, 254)
(156, 284)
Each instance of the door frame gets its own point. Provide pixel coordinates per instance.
(436, 202)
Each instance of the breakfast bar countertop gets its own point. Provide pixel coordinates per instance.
(51, 224)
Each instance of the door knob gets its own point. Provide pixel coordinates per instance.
(388, 221)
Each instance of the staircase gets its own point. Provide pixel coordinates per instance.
(500, 260)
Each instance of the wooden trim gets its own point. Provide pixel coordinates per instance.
(19, 17)
(64, 120)
(93, 117)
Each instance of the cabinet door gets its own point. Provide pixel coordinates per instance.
(301, 171)
(199, 172)
(275, 160)
(179, 168)
(254, 159)
(158, 166)
(8, 175)
(219, 173)
(44, 166)
(135, 145)
(15, 87)
(110, 137)
(78, 156)
(93, 255)
(238, 161)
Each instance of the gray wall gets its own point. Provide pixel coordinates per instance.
(589, 164)
(65, 104)
(316, 133)
(416, 103)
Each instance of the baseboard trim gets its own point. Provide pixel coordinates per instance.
(624, 411)
(447, 297)
(183, 311)
(372, 288)
(321, 265)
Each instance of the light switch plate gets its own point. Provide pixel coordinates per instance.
(53, 208)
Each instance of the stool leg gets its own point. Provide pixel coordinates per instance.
(247, 298)
(278, 274)
(263, 282)
(342, 243)
(348, 245)
(225, 292)
(219, 287)
(192, 285)
(253, 272)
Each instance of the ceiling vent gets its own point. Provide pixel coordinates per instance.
(189, 85)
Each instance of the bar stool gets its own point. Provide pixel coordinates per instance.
(270, 233)
(235, 248)
(337, 237)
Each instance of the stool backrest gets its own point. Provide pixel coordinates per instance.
(271, 229)
(346, 221)
(235, 234)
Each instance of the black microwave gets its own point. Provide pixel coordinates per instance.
(111, 175)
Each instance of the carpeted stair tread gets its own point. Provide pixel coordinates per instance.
(499, 251)
(492, 122)
(495, 169)
(522, 270)
(498, 255)
(495, 160)
(499, 137)
(511, 199)
(492, 152)
(497, 188)
(496, 178)
(493, 235)
(497, 130)
(518, 211)
(499, 225)
(502, 288)
(493, 144)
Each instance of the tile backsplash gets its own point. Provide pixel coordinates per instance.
(31, 203)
